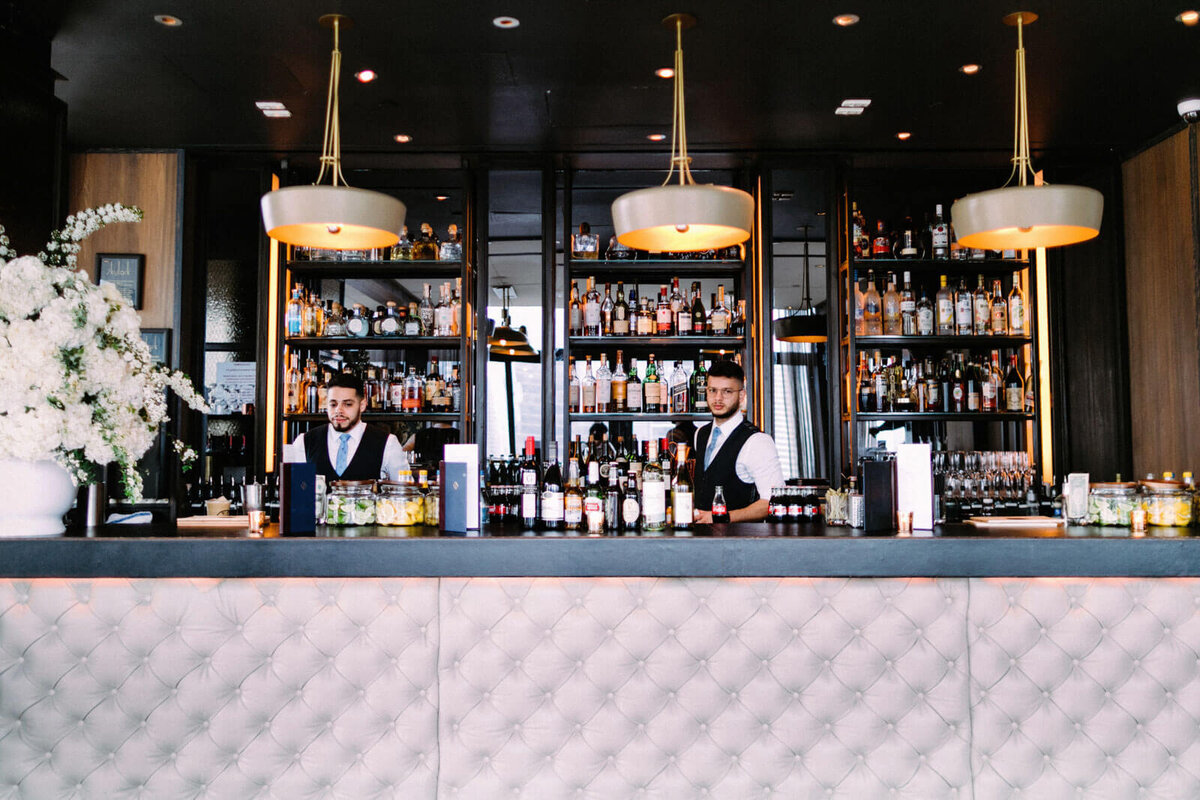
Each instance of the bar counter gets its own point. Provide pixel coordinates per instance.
(735, 550)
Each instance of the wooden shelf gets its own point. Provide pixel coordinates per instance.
(375, 342)
(943, 416)
(606, 343)
(925, 266)
(618, 417)
(962, 342)
(656, 271)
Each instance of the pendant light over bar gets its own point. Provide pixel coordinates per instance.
(1025, 217)
(334, 217)
(807, 325)
(686, 216)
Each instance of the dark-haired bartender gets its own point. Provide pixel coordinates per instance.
(348, 449)
(732, 453)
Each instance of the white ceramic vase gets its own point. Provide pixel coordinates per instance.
(34, 496)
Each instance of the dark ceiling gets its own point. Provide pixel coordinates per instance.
(578, 74)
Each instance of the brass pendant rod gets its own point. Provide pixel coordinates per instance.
(331, 144)
(679, 153)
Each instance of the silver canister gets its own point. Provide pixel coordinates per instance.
(856, 510)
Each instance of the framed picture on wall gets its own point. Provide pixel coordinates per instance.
(159, 342)
(125, 271)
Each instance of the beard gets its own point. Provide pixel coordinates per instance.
(729, 412)
(342, 427)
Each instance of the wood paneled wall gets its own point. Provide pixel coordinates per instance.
(149, 181)
(1160, 264)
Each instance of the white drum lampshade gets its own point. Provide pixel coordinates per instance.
(683, 217)
(1027, 217)
(333, 217)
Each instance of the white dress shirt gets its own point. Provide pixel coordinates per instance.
(758, 460)
(394, 458)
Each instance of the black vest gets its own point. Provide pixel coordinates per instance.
(723, 470)
(367, 461)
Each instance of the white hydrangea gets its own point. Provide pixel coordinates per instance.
(79, 386)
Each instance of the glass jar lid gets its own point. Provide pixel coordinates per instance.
(352, 487)
(1164, 487)
(1115, 488)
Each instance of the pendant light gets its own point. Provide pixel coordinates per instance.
(807, 325)
(685, 216)
(1025, 217)
(506, 336)
(334, 217)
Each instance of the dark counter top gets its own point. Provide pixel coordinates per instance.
(738, 550)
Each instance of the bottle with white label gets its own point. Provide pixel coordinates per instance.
(604, 383)
(573, 498)
(963, 306)
(924, 315)
(908, 307)
(654, 493)
(593, 501)
(552, 492)
(939, 235)
(682, 495)
(591, 310)
(1016, 307)
(945, 310)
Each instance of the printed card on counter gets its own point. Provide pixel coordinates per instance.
(467, 492)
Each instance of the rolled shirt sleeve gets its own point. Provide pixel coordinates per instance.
(395, 459)
(758, 463)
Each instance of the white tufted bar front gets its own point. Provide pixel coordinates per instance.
(600, 688)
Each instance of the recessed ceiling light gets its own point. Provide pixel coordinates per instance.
(506, 22)
(656, 137)
(665, 72)
(1188, 18)
(442, 197)
(848, 111)
(845, 20)
(171, 21)
(276, 113)
(904, 136)
(856, 102)
(365, 75)
(402, 138)
(969, 69)
(263, 105)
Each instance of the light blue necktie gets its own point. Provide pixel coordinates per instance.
(340, 464)
(712, 446)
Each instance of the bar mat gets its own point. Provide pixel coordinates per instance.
(241, 521)
(1017, 522)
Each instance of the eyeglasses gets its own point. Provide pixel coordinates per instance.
(710, 391)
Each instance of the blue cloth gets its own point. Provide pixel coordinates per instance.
(712, 446)
(340, 463)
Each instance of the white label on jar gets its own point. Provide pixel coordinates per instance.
(552, 506)
(357, 326)
(412, 327)
(654, 501)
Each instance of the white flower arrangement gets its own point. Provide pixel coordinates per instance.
(78, 385)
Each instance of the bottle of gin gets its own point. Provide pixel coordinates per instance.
(585, 244)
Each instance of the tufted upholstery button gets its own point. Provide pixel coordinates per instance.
(1045, 756)
(703, 726)
(857, 632)
(828, 726)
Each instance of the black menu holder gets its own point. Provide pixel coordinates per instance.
(298, 500)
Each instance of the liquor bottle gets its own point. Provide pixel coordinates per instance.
(925, 315)
(1014, 387)
(530, 490)
(574, 312)
(892, 325)
(412, 322)
(681, 311)
(908, 241)
(585, 244)
(451, 249)
(963, 304)
(425, 248)
(454, 388)
(295, 311)
(573, 396)
(860, 242)
(981, 310)
(552, 492)
(291, 386)
(604, 383)
(442, 312)
(587, 389)
(933, 387)
(310, 389)
(738, 328)
(699, 320)
(358, 324)
(872, 308)
(438, 399)
(860, 305)
(679, 389)
(390, 324)
(865, 386)
(999, 309)
(620, 313)
(654, 493)
(720, 511)
(991, 382)
(619, 252)
(591, 310)
(631, 505)
(414, 392)
(456, 308)
(633, 390)
(699, 387)
(395, 390)
(1016, 307)
(664, 318)
(593, 501)
(682, 496)
(718, 320)
(402, 250)
(652, 400)
(619, 385)
(881, 244)
(944, 309)
(939, 235)
(614, 494)
(908, 308)
(606, 311)
(645, 318)
(573, 498)
(308, 317)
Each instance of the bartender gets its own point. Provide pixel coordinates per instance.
(347, 448)
(732, 453)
